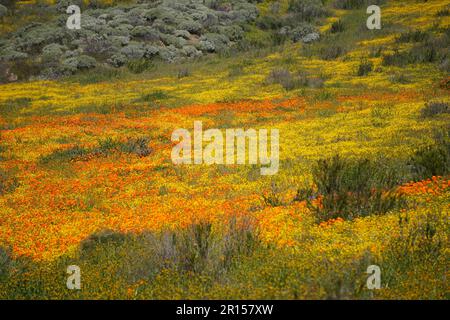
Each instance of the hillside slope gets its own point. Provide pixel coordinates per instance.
(86, 176)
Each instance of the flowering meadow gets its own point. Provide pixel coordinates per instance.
(86, 176)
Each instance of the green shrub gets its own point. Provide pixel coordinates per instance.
(443, 13)
(430, 50)
(419, 248)
(25, 68)
(433, 109)
(140, 65)
(337, 26)
(96, 240)
(75, 153)
(5, 263)
(307, 10)
(331, 52)
(286, 79)
(413, 36)
(183, 73)
(3, 12)
(153, 96)
(8, 183)
(364, 68)
(138, 146)
(431, 160)
(201, 249)
(399, 78)
(353, 188)
(273, 198)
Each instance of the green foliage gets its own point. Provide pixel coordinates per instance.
(25, 68)
(433, 109)
(14, 106)
(286, 79)
(140, 65)
(153, 96)
(72, 154)
(138, 146)
(8, 182)
(183, 72)
(431, 160)
(307, 10)
(364, 68)
(413, 36)
(331, 52)
(419, 247)
(428, 49)
(337, 26)
(353, 188)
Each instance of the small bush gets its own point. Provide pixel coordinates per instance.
(286, 79)
(201, 249)
(8, 183)
(236, 70)
(183, 73)
(399, 78)
(364, 68)
(413, 36)
(153, 96)
(431, 160)
(430, 50)
(352, 188)
(337, 26)
(98, 239)
(418, 248)
(5, 262)
(443, 13)
(75, 153)
(140, 65)
(331, 52)
(433, 109)
(307, 10)
(25, 68)
(273, 198)
(138, 146)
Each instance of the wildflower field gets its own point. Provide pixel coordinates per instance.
(87, 179)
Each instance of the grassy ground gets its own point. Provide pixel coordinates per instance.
(231, 242)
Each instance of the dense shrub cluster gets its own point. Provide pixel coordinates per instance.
(297, 24)
(428, 48)
(123, 34)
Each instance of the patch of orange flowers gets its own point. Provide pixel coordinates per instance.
(434, 186)
(331, 222)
